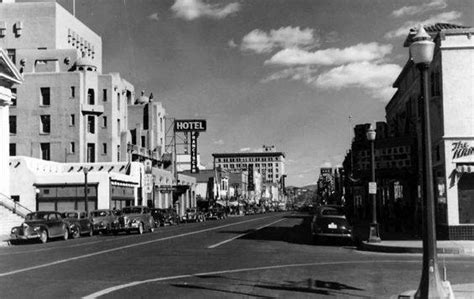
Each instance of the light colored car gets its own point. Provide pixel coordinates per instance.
(135, 218)
(42, 226)
(79, 223)
(193, 215)
(103, 220)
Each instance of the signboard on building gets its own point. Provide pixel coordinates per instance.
(326, 170)
(166, 188)
(190, 125)
(372, 188)
(194, 136)
(148, 183)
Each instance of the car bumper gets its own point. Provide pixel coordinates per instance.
(24, 237)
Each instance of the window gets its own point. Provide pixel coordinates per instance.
(73, 92)
(72, 148)
(118, 101)
(72, 120)
(118, 152)
(45, 96)
(12, 55)
(45, 124)
(104, 148)
(91, 152)
(118, 127)
(104, 95)
(13, 97)
(143, 140)
(91, 124)
(104, 121)
(12, 149)
(12, 124)
(90, 96)
(45, 151)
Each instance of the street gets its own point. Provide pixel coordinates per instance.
(266, 255)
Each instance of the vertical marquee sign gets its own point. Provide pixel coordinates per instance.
(194, 126)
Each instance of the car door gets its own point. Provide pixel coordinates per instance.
(54, 224)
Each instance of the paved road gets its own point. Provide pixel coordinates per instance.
(268, 255)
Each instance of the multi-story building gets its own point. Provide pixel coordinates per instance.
(75, 113)
(271, 165)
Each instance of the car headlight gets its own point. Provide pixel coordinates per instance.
(14, 230)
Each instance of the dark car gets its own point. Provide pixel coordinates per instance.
(42, 226)
(79, 223)
(160, 216)
(135, 218)
(334, 227)
(103, 220)
(193, 215)
(216, 213)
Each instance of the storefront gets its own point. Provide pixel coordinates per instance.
(63, 197)
(122, 194)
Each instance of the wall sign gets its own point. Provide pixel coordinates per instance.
(461, 149)
(190, 125)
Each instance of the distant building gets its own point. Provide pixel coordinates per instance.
(183, 162)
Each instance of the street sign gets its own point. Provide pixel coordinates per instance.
(148, 183)
(190, 125)
(372, 188)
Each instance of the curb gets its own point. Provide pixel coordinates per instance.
(365, 246)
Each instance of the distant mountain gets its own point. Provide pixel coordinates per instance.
(311, 187)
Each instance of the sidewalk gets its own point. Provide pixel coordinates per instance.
(460, 291)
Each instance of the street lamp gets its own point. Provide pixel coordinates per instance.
(431, 286)
(374, 236)
(86, 171)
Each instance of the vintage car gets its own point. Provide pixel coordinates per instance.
(216, 213)
(103, 220)
(42, 226)
(79, 223)
(331, 227)
(193, 215)
(135, 218)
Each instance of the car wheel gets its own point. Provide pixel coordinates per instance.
(44, 236)
(75, 232)
(66, 233)
(140, 228)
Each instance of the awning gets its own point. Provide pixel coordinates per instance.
(465, 168)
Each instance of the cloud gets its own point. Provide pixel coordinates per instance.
(193, 9)
(326, 164)
(301, 73)
(232, 44)
(331, 56)
(259, 41)
(445, 17)
(154, 17)
(245, 149)
(218, 142)
(376, 78)
(417, 9)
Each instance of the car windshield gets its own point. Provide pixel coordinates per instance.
(69, 215)
(99, 213)
(37, 216)
(132, 210)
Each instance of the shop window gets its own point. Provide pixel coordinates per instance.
(466, 198)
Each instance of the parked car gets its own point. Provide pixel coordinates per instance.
(193, 215)
(79, 223)
(172, 216)
(159, 216)
(330, 210)
(216, 213)
(42, 226)
(331, 227)
(103, 220)
(135, 218)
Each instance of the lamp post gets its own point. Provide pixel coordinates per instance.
(431, 286)
(86, 171)
(374, 236)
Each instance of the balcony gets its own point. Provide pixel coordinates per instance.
(141, 153)
(92, 109)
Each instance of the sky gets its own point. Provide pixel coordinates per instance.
(296, 74)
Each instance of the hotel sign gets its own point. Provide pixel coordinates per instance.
(190, 125)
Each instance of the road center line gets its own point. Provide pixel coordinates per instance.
(241, 235)
(135, 283)
(123, 247)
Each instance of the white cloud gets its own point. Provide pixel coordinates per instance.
(154, 17)
(417, 9)
(193, 9)
(301, 73)
(376, 78)
(245, 149)
(326, 164)
(232, 44)
(259, 41)
(218, 142)
(331, 56)
(445, 17)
